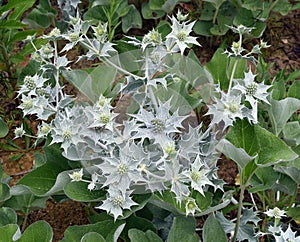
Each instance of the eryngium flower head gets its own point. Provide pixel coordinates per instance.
(287, 236)
(19, 132)
(180, 34)
(76, 175)
(198, 175)
(191, 206)
(122, 170)
(226, 109)
(32, 84)
(158, 124)
(65, 131)
(275, 212)
(251, 89)
(116, 201)
(153, 38)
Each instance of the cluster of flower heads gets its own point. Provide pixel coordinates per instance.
(277, 231)
(149, 152)
(243, 94)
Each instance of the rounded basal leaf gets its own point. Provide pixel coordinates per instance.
(257, 140)
(132, 19)
(3, 128)
(105, 228)
(78, 191)
(149, 13)
(136, 235)
(9, 233)
(39, 231)
(7, 216)
(183, 229)
(92, 237)
(4, 192)
(213, 231)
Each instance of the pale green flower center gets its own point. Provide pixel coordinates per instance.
(181, 35)
(27, 104)
(118, 200)
(29, 83)
(104, 118)
(122, 169)
(19, 131)
(74, 21)
(170, 149)
(158, 125)
(251, 89)
(47, 50)
(191, 205)
(100, 31)
(45, 129)
(55, 33)
(195, 175)
(42, 92)
(276, 212)
(66, 135)
(76, 176)
(154, 36)
(236, 45)
(36, 56)
(102, 101)
(73, 37)
(234, 107)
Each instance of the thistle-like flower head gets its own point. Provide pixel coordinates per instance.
(180, 34)
(116, 201)
(275, 212)
(252, 90)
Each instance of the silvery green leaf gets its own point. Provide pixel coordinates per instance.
(281, 111)
(239, 155)
(291, 131)
(245, 230)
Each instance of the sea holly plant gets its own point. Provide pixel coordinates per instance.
(156, 159)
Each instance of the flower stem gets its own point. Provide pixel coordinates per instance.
(232, 76)
(239, 213)
(56, 75)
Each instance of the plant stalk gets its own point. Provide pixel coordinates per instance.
(232, 76)
(243, 187)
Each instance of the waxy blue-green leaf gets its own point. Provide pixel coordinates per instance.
(281, 111)
(45, 180)
(149, 13)
(291, 132)
(257, 140)
(7, 216)
(39, 231)
(3, 128)
(239, 155)
(183, 229)
(26, 202)
(137, 235)
(105, 228)
(264, 179)
(92, 237)
(213, 231)
(132, 19)
(94, 83)
(245, 230)
(291, 168)
(78, 191)
(9, 233)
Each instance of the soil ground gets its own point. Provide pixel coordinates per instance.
(283, 34)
